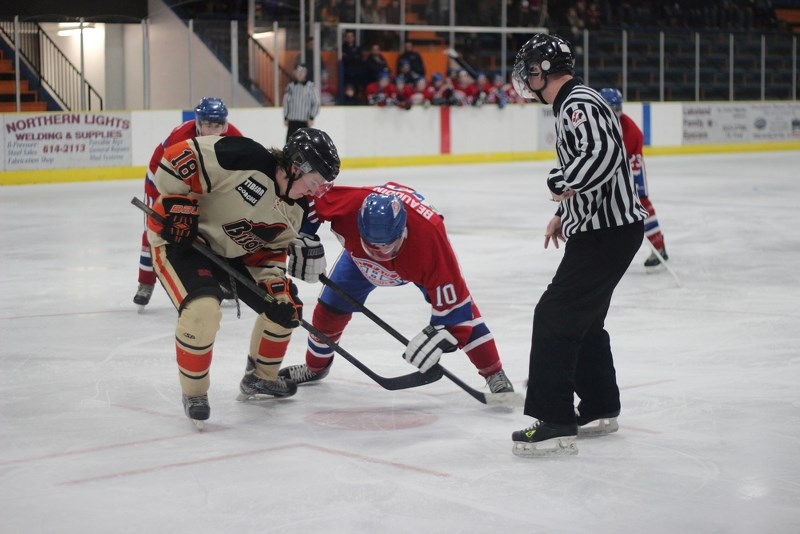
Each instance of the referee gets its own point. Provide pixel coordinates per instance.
(601, 220)
(300, 102)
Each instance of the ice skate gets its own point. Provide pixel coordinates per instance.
(301, 374)
(255, 388)
(653, 263)
(143, 294)
(545, 439)
(600, 425)
(499, 383)
(197, 409)
(502, 391)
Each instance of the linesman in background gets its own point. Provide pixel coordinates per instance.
(601, 219)
(300, 102)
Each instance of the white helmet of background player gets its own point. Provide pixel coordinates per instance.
(382, 226)
(550, 54)
(211, 116)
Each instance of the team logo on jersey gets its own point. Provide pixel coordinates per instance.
(253, 236)
(251, 191)
(578, 118)
(377, 274)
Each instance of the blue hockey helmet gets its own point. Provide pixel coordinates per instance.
(613, 97)
(211, 110)
(382, 225)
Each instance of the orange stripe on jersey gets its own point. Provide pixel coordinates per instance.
(159, 258)
(272, 349)
(184, 161)
(194, 363)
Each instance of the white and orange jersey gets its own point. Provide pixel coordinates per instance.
(185, 131)
(241, 212)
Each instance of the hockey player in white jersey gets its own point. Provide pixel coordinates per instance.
(246, 203)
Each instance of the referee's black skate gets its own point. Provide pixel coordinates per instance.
(301, 374)
(598, 425)
(197, 408)
(545, 439)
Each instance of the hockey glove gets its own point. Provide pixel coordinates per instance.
(287, 308)
(181, 217)
(427, 347)
(306, 258)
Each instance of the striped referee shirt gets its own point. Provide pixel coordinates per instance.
(300, 102)
(592, 162)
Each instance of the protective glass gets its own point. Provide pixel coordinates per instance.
(519, 79)
(315, 183)
(385, 252)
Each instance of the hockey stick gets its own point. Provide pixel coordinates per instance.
(492, 399)
(411, 380)
(455, 56)
(664, 263)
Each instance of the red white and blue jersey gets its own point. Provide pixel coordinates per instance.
(633, 138)
(426, 258)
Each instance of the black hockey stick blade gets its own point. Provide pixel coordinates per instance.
(492, 399)
(410, 380)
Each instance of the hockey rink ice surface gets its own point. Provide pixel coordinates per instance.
(93, 438)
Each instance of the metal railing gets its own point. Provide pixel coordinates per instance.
(255, 64)
(680, 65)
(62, 80)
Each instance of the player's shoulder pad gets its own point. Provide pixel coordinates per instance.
(243, 153)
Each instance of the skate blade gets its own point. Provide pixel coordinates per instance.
(141, 308)
(199, 424)
(511, 399)
(601, 427)
(245, 397)
(565, 446)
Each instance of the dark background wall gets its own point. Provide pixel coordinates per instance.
(60, 10)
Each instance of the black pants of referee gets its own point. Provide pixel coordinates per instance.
(293, 126)
(570, 348)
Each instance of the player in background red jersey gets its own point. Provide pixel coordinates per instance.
(211, 118)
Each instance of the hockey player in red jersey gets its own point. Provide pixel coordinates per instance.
(246, 203)
(634, 141)
(391, 237)
(211, 118)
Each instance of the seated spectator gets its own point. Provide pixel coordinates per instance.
(351, 98)
(441, 90)
(404, 70)
(482, 88)
(371, 13)
(422, 94)
(329, 17)
(382, 92)
(327, 91)
(416, 67)
(404, 92)
(497, 92)
(464, 89)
